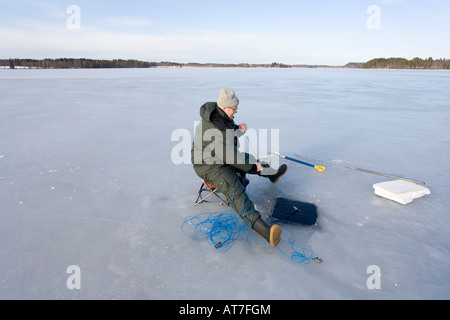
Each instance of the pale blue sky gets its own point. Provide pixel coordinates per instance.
(253, 31)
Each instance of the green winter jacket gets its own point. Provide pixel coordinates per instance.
(216, 143)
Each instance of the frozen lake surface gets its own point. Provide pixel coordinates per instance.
(87, 179)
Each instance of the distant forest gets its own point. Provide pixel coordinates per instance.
(68, 63)
(401, 63)
(71, 63)
(75, 63)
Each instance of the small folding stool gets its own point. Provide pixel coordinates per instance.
(212, 191)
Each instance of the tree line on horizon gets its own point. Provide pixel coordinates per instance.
(402, 63)
(72, 63)
(82, 63)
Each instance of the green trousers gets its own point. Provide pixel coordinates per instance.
(226, 180)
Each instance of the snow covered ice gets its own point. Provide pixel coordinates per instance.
(87, 180)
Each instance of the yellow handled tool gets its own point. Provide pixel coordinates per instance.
(318, 168)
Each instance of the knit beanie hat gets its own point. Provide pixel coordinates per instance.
(227, 99)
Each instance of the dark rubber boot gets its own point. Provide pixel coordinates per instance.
(275, 177)
(271, 234)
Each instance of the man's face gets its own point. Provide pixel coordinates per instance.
(231, 112)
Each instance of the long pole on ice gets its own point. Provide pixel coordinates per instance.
(385, 175)
(322, 169)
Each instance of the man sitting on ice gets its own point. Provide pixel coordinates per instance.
(218, 161)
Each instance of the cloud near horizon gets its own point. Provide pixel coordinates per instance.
(99, 44)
